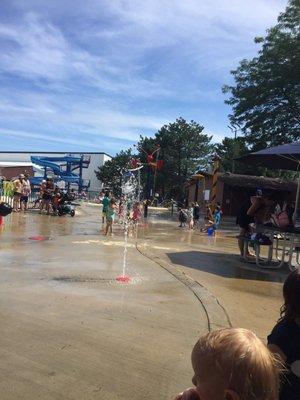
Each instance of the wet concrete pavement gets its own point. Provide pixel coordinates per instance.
(251, 297)
(69, 330)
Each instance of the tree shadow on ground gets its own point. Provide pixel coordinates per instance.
(226, 265)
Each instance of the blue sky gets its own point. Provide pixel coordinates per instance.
(95, 74)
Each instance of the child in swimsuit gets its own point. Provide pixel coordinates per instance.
(110, 215)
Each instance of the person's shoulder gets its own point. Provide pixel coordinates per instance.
(281, 331)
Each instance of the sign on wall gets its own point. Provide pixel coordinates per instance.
(206, 194)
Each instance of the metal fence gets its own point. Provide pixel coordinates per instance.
(6, 199)
(9, 199)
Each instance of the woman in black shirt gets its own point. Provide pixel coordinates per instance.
(285, 338)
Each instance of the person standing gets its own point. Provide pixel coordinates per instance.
(182, 217)
(18, 187)
(137, 214)
(55, 200)
(42, 194)
(217, 217)
(110, 215)
(39, 199)
(196, 213)
(190, 213)
(121, 208)
(244, 221)
(105, 204)
(48, 190)
(26, 190)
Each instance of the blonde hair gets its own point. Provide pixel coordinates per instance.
(239, 361)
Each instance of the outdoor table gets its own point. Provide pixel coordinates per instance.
(285, 245)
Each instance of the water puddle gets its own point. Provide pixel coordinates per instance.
(122, 279)
(79, 279)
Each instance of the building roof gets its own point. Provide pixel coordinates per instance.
(255, 182)
(54, 152)
(15, 164)
(250, 181)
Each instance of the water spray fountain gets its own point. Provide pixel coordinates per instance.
(131, 192)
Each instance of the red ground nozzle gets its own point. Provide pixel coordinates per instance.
(123, 278)
(38, 237)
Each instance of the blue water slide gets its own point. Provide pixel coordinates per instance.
(50, 162)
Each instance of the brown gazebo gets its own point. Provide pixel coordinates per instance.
(234, 189)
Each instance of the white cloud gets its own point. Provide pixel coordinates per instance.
(55, 137)
(90, 119)
(40, 49)
(42, 52)
(119, 68)
(171, 21)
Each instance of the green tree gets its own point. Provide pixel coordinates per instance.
(184, 147)
(231, 148)
(228, 150)
(265, 98)
(111, 172)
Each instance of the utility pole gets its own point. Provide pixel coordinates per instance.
(234, 130)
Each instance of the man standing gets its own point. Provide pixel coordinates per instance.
(26, 190)
(18, 186)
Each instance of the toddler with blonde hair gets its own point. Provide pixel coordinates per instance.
(232, 364)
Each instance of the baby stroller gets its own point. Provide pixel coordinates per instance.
(65, 206)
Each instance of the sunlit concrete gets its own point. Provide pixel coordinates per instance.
(251, 297)
(69, 330)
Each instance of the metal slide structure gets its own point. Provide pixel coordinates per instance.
(62, 168)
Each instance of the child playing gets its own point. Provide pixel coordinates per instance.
(56, 200)
(110, 215)
(232, 364)
(182, 217)
(217, 217)
(285, 337)
(105, 205)
(190, 213)
(215, 223)
(208, 213)
(121, 208)
(136, 215)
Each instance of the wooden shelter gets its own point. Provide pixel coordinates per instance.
(233, 189)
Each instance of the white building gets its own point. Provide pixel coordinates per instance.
(97, 159)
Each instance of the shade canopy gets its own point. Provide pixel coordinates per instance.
(286, 156)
